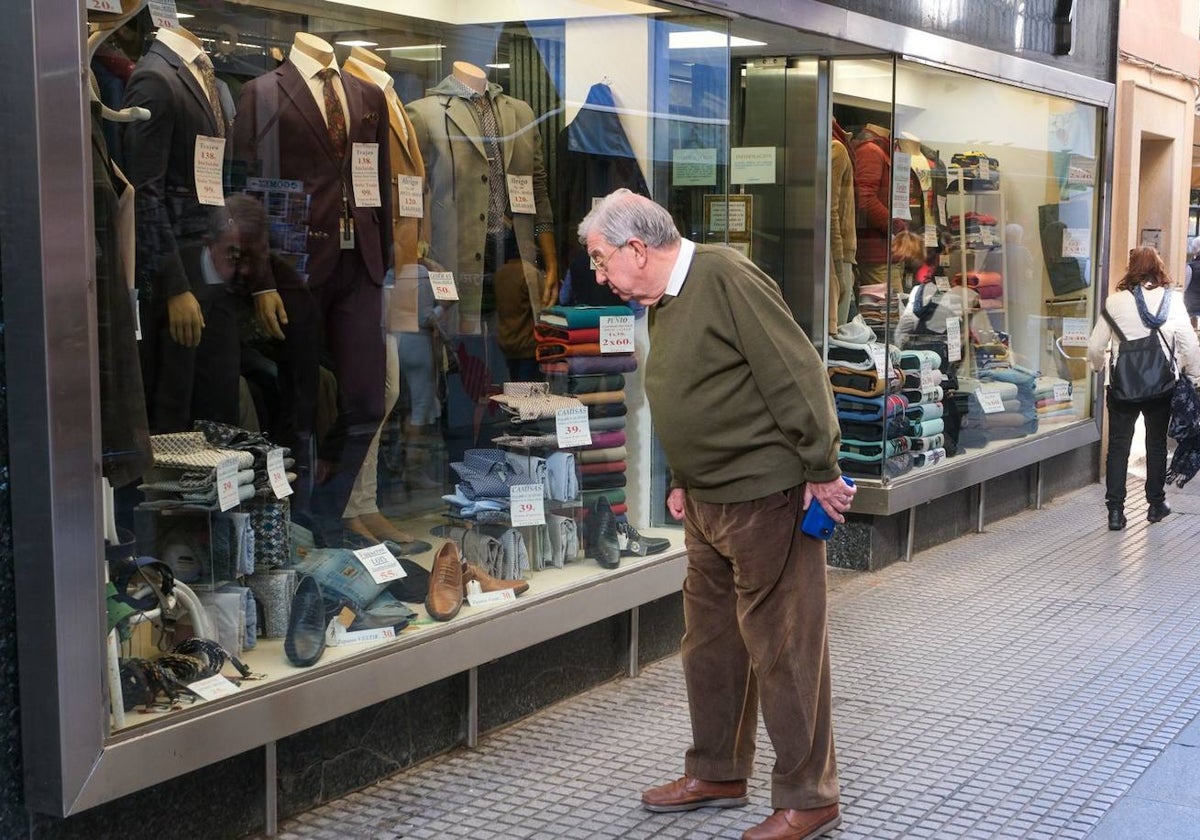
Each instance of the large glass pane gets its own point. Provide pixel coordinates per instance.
(376, 272)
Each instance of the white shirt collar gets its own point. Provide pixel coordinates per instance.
(683, 262)
(381, 78)
(308, 66)
(209, 269)
(179, 45)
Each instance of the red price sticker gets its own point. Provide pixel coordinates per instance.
(103, 6)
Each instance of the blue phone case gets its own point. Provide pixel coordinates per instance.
(817, 522)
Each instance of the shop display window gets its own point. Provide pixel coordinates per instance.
(969, 261)
(369, 387)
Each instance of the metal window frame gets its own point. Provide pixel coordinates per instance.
(50, 335)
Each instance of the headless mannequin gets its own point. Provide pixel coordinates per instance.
(190, 37)
(878, 130)
(367, 57)
(313, 47)
(470, 75)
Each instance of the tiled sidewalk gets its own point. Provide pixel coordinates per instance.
(1015, 683)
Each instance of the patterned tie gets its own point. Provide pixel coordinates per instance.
(498, 192)
(210, 87)
(335, 117)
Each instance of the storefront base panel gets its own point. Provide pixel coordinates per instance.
(869, 543)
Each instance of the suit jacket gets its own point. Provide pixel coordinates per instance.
(405, 157)
(280, 133)
(456, 163)
(160, 158)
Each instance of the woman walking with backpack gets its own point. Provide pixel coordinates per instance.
(1151, 341)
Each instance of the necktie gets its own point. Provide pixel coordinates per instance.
(335, 117)
(210, 88)
(498, 189)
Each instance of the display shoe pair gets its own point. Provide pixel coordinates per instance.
(309, 617)
(633, 544)
(605, 543)
(487, 583)
(448, 583)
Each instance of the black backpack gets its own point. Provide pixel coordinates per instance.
(1141, 372)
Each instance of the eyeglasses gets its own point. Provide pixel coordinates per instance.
(599, 263)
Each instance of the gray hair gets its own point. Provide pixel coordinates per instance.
(624, 215)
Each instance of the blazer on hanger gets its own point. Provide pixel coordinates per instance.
(280, 133)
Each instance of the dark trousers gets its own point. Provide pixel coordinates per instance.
(755, 614)
(1121, 419)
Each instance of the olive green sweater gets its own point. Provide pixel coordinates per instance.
(739, 396)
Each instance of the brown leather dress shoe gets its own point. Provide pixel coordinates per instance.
(792, 824)
(445, 596)
(490, 584)
(690, 793)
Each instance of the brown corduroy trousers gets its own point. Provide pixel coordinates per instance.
(755, 614)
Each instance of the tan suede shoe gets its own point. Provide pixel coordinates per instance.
(690, 793)
(445, 596)
(792, 824)
(488, 583)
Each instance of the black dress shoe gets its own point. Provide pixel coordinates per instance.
(305, 641)
(1158, 512)
(634, 544)
(1116, 520)
(602, 528)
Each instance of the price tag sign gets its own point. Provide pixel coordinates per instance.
(572, 427)
(336, 635)
(104, 6)
(985, 168)
(227, 486)
(364, 174)
(616, 334)
(901, 172)
(410, 201)
(483, 599)
(879, 354)
(953, 340)
(206, 168)
(527, 505)
(1075, 242)
(1075, 332)
(931, 237)
(930, 379)
(163, 14)
(943, 283)
(443, 285)
(213, 687)
(520, 194)
(380, 563)
(985, 233)
(278, 474)
(941, 204)
(1062, 392)
(990, 401)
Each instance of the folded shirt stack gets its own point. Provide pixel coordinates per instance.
(185, 466)
(1053, 398)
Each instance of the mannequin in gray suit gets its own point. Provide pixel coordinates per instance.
(174, 300)
(488, 230)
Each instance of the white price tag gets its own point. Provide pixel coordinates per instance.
(572, 427)
(520, 194)
(502, 596)
(985, 233)
(616, 333)
(879, 354)
(163, 14)
(337, 635)
(985, 168)
(931, 237)
(410, 203)
(277, 474)
(213, 687)
(930, 379)
(527, 504)
(443, 285)
(1075, 332)
(206, 168)
(380, 563)
(1075, 242)
(901, 172)
(364, 174)
(104, 6)
(1062, 392)
(943, 283)
(953, 340)
(227, 487)
(990, 401)
(941, 203)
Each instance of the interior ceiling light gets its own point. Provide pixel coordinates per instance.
(696, 39)
(357, 43)
(498, 66)
(183, 15)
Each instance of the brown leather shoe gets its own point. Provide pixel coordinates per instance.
(690, 793)
(445, 596)
(791, 824)
(488, 583)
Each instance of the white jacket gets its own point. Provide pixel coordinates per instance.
(1177, 331)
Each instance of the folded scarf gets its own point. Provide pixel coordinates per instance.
(596, 411)
(553, 351)
(548, 333)
(591, 384)
(605, 440)
(579, 365)
(927, 428)
(606, 424)
(614, 495)
(603, 467)
(860, 382)
(601, 397)
(602, 481)
(926, 411)
(595, 456)
(576, 317)
(896, 426)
